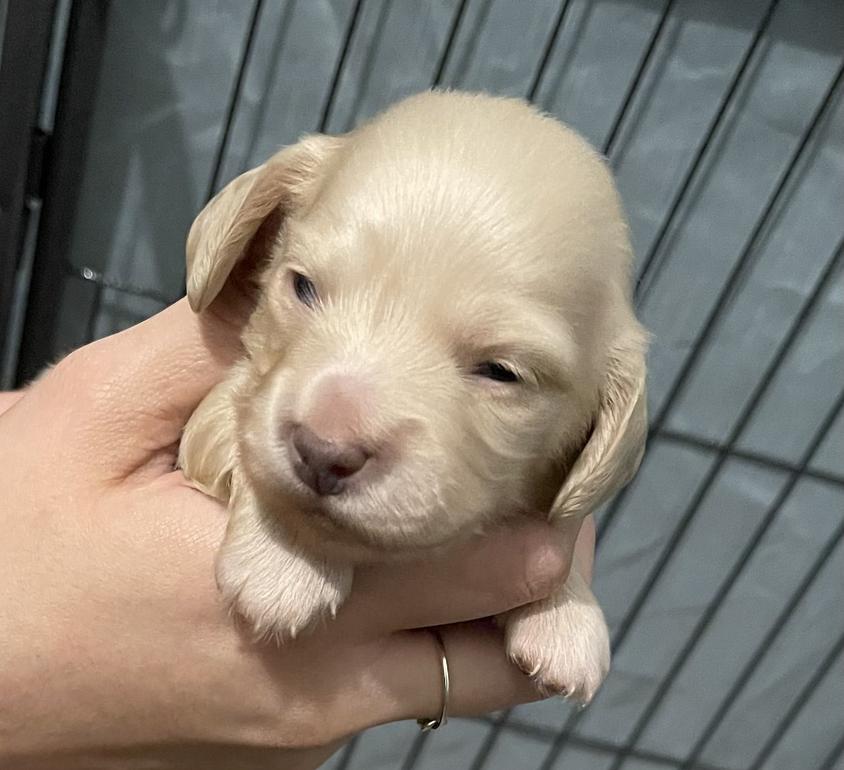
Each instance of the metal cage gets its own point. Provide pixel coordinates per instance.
(724, 124)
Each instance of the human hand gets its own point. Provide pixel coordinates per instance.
(116, 648)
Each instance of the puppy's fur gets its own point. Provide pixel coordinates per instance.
(452, 232)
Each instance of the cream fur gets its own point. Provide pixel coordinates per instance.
(451, 230)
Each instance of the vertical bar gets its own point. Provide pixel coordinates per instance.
(580, 24)
(608, 147)
(633, 87)
(415, 751)
(605, 522)
(745, 259)
(12, 339)
(348, 753)
(469, 51)
(703, 149)
(94, 312)
(691, 511)
(234, 98)
(764, 647)
(707, 616)
(782, 727)
(278, 46)
(727, 584)
(445, 54)
(87, 29)
(369, 63)
(486, 748)
(832, 759)
(351, 27)
(548, 49)
(731, 285)
(25, 55)
(616, 505)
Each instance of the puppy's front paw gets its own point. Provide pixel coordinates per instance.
(279, 591)
(563, 643)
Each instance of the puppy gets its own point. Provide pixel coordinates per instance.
(442, 340)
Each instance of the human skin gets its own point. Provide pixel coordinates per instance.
(116, 649)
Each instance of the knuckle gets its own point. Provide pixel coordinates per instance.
(79, 370)
(545, 568)
(299, 729)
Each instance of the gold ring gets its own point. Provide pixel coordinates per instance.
(426, 725)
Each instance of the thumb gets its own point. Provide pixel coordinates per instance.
(162, 368)
(125, 398)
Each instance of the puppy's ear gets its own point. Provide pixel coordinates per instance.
(222, 233)
(615, 447)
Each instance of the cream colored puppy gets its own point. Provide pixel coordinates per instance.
(443, 340)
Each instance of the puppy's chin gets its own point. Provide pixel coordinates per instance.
(365, 522)
(344, 536)
(421, 501)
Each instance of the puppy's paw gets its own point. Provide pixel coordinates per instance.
(278, 591)
(562, 644)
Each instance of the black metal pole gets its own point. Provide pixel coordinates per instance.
(64, 163)
(25, 47)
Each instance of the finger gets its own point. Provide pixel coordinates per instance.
(486, 576)
(125, 397)
(481, 677)
(9, 398)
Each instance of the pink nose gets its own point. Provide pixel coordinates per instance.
(325, 465)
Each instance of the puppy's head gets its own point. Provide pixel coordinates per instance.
(443, 334)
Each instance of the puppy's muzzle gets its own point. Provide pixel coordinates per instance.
(323, 465)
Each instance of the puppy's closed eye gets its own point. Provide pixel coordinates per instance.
(304, 289)
(493, 370)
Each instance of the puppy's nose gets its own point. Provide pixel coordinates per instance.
(325, 465)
